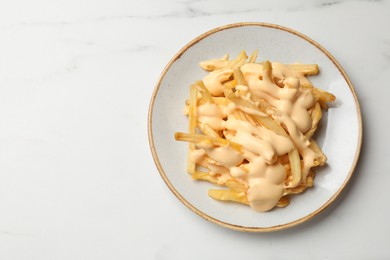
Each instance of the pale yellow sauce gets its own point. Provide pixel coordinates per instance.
(213, 81)
(265, 184)
(289, 100)
(266, 177)
(225, 156)
(210, 114)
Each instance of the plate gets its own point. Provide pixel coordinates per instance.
(339, 136)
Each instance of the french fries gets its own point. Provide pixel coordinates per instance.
(254, 140)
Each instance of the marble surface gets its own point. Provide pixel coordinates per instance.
(77, 179)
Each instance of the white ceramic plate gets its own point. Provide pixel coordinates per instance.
(339, 136)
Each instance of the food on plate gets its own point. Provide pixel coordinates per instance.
(250, 130)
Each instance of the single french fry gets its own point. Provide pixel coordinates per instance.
(296, 174)
(192, 110)
(204, 176)
(192, 115)
(253, 57)
(228, 195)
(316, 116)
(305, 69)
(207, 140)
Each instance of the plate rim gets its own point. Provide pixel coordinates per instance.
(217, 221)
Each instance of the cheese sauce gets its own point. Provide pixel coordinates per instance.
(265, 176)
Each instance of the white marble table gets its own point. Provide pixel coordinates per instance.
(77, 179)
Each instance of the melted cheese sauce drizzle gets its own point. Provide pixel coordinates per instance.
(265, 176)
